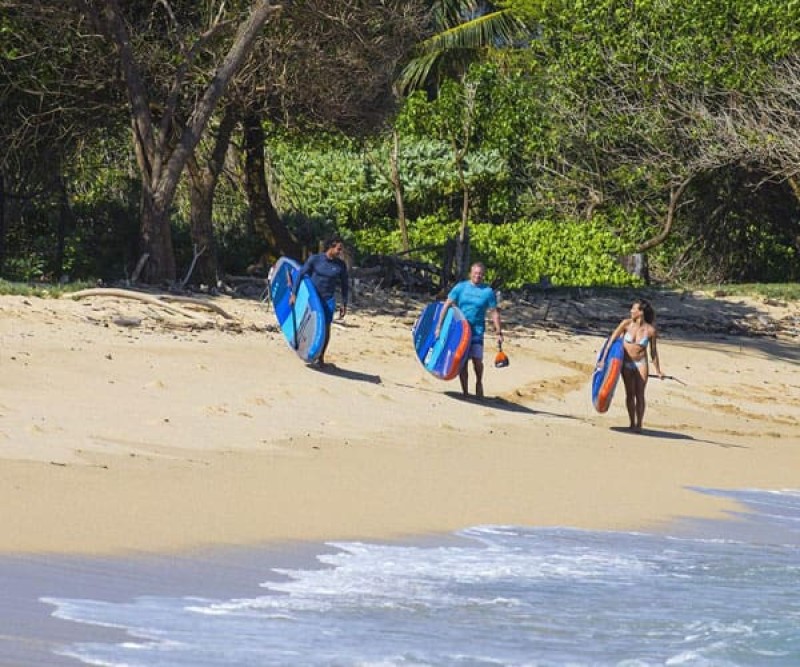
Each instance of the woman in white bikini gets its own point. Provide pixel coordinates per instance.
(638, 333)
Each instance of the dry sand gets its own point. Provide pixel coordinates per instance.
(125, 427)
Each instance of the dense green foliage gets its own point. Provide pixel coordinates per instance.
(348, 185)
(539, 252)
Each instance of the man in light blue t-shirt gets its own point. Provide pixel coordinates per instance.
(474, 298)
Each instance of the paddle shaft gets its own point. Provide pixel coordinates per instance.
(291, 306)
(667, 377)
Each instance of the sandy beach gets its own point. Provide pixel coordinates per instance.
(130, 427)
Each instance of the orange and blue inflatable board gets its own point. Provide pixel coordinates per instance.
(605, 378)
(442, 357)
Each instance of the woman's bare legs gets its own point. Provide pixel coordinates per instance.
(629, 377)
(641, 383)
(635, 384)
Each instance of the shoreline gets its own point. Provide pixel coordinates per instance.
(167, 436)
(33, 635)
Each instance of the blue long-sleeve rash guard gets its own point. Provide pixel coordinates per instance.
(326, 274)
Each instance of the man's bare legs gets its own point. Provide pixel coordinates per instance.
(477, 364)
(464, 377)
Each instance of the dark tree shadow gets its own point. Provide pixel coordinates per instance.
(672, 435)
(687, 318)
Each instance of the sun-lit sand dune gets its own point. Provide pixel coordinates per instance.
(127, 427)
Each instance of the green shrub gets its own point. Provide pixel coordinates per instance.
(566, 253)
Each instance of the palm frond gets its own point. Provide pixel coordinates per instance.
(416, 73)
(452, 12)
(493, 30)
(497, 29)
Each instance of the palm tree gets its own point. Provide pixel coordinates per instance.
(464, 30)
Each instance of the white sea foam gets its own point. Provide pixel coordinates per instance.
(503, 595)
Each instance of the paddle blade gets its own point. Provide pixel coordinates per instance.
(501, 358)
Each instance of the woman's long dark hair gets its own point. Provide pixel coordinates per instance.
(647, 310)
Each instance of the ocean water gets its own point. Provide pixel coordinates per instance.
(702, 593)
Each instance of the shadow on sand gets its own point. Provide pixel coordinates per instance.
(690, 318)
(499, 403)
(671, 435)
(347, 374)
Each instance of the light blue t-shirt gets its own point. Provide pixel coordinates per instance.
(474, 301)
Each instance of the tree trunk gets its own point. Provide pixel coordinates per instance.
(266, 221)
(156, 241)
(203, 181)
(464, 200)
(397, 185)
(161, 159)
(64, 223)
(2, 223)
(669, 219)
(201, 203)
(462, 253)
(795, 186)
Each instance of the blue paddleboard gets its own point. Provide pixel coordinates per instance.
(605, 378)
(443, 357)
(303, 325)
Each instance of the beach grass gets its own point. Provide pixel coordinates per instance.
(41, 290)
(783, 291)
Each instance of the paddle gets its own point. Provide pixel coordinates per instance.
(668, 377)
(295, 343)
(501, 358)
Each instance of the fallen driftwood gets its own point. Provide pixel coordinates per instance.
(253, 286)
(127, 321)
(161, 301)
(196, 302)
(390, 270)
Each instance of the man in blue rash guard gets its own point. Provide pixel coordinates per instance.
(474, 297)
(327, 271)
